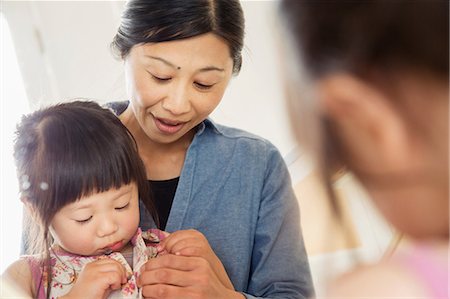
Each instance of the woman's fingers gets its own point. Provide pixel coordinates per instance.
(161, 291)
(171, 261)
(171, 276)
(179, 240)
(190, 247)
(192, 243)
(165, 276)
(174, 270)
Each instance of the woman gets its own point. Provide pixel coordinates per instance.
(227, 185)
(380, 105)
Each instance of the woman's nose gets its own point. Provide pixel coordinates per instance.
(177, 101)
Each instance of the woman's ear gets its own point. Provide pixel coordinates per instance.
(365, 119)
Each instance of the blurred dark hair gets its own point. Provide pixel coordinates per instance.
(153, 21)
(361, 38)
(71, 150)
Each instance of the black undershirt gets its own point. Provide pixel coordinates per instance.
(163, 192)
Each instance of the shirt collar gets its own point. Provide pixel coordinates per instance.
(208, 123)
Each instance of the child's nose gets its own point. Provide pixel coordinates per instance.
(107, 226)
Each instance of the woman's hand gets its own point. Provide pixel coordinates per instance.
(193, 243)
(97, 279)
(172, 276)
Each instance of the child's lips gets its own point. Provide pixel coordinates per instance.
(113, 247)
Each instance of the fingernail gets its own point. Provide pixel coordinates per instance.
(159, 248)
(177, 253)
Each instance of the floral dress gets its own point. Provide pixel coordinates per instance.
(66, 267)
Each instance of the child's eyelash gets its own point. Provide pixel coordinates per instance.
(88, 219)
(123, 207)
(84, 220)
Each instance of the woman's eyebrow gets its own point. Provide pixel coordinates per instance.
(170, 64)
(166, 62)
(211, 68)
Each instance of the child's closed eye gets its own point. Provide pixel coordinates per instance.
(83, 221)
(123, 207)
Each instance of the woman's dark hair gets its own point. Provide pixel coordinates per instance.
(71, 150)
(153, 21)
(362, 38)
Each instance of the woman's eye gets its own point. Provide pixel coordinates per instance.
(203, 86)
(161, 79)
(123, 207)
(83, 221)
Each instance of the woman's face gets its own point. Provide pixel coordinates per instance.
(175, 85)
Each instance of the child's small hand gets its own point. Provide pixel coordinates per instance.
(97, 279)
(193, 243)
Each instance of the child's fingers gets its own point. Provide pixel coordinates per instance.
(113, 280)
(109, 265)
(98, 278)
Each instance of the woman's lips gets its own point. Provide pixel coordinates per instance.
(168, 126)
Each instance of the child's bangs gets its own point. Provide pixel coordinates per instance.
(81, 154)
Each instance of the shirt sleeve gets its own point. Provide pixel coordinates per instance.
(280, 267)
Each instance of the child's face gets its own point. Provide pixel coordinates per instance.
(98, 223)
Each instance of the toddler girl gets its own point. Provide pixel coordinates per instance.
(82, 180)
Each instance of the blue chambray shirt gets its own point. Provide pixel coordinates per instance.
(235, 188)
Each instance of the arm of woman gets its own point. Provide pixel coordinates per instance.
(280, 267)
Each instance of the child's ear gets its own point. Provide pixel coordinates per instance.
(364, 116)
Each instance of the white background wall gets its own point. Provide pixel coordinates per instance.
(63, 53)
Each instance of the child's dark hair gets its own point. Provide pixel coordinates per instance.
(359, 36)
(362, 38)
(71, 150)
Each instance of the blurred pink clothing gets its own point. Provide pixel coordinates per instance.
(424, 265)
